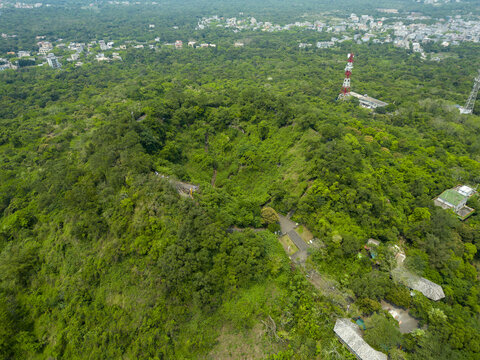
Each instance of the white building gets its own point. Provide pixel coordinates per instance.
(101, 57)
(53, 61)
(368, 102)
(44, 47)
(23, 54)
(455, 198)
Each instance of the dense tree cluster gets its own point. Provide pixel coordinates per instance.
(102, 257)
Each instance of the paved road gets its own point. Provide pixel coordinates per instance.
(297, 240)
(286, 224)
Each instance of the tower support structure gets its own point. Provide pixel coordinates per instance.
(345, 93)
(468, 108)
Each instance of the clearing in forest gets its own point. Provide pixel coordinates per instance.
(248, 344)
(304, 233)
(288, 245)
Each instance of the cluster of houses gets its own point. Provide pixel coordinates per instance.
(409, 31)
(5, 64)
(349, 332)
(193, 44)
(80, 50)
(20, 5)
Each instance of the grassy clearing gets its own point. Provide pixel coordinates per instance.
(250, 344)
(304, 233)
(288, 245)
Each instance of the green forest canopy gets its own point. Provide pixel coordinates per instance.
(102, 258)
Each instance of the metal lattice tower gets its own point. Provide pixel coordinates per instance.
(468, 108)
(346, 82)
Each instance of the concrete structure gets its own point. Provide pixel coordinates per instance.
(44, 47)
(456, 199)
(468, 108)
(178, 44)
(350, 335)
(23, 54)
(368, 102)
(5, 66)
(297, 240)
(53, 61)
(101, 57)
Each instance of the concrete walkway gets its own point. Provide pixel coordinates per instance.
(286, 224)
(297, 240)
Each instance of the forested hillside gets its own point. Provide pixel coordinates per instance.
(101, 257)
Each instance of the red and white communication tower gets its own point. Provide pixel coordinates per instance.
(346, 82)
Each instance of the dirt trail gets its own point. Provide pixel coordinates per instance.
(214, 177)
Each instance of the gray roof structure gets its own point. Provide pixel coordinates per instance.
(426, 287)
(368, 100)
(350, 335)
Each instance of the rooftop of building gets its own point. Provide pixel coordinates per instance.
(350, 334)
(426, 287)
(369, 99)
(452, 196)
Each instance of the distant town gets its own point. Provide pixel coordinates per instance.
(411, 31)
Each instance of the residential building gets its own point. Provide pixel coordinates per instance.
(101, 57)
(53, 61)
(178, 44)
(23, 54)
(5, 66)
(304, 45)
(102, 44)
(456, 199)
(325, 44)
(44, 47)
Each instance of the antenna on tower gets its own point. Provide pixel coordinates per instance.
(468, 108)
(345, 93)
